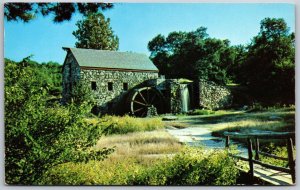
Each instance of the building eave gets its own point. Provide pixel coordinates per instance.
(117, 69)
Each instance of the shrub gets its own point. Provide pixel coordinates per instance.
(280, 151)
(38, 137)
(256, 107)
(192, 166)
(106, 172)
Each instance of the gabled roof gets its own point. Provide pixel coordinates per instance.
(111, 59)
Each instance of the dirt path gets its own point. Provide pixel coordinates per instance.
(198, 132)
(195, 134)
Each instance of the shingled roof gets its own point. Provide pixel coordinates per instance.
(112, 59)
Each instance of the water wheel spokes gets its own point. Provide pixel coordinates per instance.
(142, 99)
(135, 101)
(142, 96)
(140, 109)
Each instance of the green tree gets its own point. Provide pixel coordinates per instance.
(38, 137)
(269, 70)
(26, 12)
(196, 54)
(234, 70)
(94, 32)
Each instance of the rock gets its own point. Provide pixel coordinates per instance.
(245, 107)
(151, 111)
(169, 118)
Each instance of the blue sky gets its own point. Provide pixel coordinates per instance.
(137, 24)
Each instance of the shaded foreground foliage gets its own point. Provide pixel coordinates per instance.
(39, 136)
(192, 166)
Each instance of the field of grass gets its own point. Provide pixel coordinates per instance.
(125, 124)
(191, 166)
(282, 119)
(141, 145)
(147, 156)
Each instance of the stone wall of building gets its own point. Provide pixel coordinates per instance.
(213, 96)
(110, 87)
(70, 76)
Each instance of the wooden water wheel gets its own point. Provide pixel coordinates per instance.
(141, 99)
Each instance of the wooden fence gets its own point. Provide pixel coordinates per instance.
(288, 136)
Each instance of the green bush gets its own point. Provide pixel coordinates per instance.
(38, 137)
(274, 149)
(192, 166)
(106, 172)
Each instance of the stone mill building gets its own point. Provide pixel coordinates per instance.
(129, 83)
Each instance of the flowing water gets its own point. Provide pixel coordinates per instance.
(185, 97)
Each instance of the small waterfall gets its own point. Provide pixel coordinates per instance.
(185, 97)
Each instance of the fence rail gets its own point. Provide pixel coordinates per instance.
(265, 135)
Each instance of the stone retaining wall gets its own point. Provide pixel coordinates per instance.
(213, 96)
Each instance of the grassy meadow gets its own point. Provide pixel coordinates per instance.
(268, 119)
(144, 154)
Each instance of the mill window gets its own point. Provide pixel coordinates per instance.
(110, 86)
(125, 86)
(93, 85)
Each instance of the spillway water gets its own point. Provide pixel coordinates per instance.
(185, 97)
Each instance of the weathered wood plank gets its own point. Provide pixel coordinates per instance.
(273, 177)
(227, 142)
(291, 158)
(250, 157)
(282, 169)
(270, 176)
(256, 149)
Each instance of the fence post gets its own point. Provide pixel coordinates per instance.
(291, 158)
(227, 142)
(256, 149)
(251, 171)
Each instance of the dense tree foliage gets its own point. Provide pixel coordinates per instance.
(39, 136)
(269, 68)
(266, 67)
(62, 11)
(196, 54)
(94, 32)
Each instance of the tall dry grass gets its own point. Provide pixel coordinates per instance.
(140, 144)
(126, 124)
